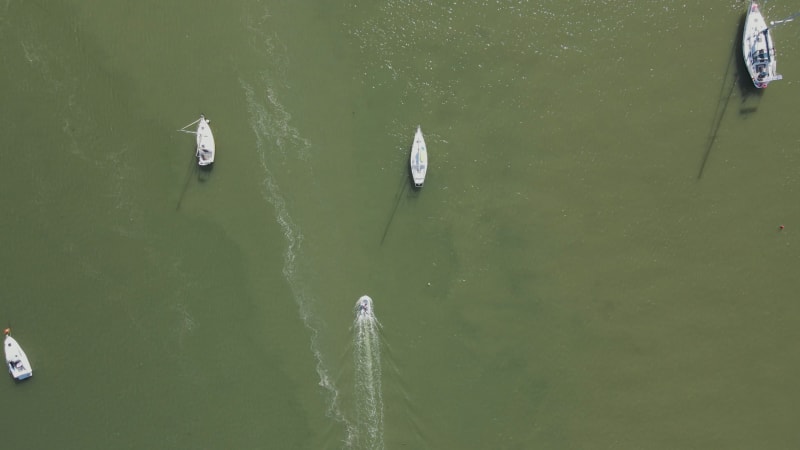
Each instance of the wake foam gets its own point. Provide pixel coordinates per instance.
(367, 357)
(270, 123)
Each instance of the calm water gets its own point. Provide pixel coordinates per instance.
(595, 261)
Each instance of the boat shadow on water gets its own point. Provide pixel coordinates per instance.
(406, 189)
(736, 74)
(202, 174)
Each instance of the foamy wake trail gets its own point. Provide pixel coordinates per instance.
(369, 399)
(271, 126)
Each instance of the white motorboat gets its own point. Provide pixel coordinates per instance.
(364, 306)
(205, 142)
(18, 365)
(758, 48)
(419, 159)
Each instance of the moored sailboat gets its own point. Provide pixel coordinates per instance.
(758, 48)
(206, 148)
(419, 158)
(17, 361)
(205, 142)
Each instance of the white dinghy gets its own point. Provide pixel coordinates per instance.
(758, 49)
(364, 306)
(206, 149)
(17, 360)
(419, 159)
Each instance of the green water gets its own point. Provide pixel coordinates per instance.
(595, 261)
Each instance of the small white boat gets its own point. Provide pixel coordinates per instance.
(758, 49)
(18, 365)
(205, 142)
(364, 306)
(419, 159)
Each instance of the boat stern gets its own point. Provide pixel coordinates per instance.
(20, 375)
(419, 166)
(204, 159)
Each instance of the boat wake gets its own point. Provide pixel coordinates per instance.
(270, 124)
(276, 138)
(367, 356)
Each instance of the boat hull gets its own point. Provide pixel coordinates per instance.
(758, 49)
(206, 148)
(419, 159)
(16, 360)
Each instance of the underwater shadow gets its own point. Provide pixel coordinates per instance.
(192, 169)
(203, 174)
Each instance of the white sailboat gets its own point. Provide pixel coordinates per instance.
(205, 142)
(419, 159)
(206, 148)
(18, 365)
(758, 48)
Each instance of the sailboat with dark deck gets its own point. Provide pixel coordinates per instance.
(758, 49)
